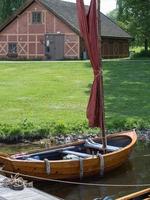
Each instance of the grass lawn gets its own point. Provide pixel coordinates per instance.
(59, 91)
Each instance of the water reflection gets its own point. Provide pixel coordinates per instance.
(135, 171)
(20, 148)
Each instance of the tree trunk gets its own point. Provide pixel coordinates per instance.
(146, 45)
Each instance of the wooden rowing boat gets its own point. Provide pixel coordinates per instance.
(140, 195)
(75, 160)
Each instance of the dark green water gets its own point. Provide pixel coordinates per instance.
(135, 171)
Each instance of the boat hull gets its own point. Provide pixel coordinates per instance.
(71, 169)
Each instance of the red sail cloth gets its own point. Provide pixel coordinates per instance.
(88, 22)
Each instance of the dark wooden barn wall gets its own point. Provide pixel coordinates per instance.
(111, 48)
(115, 48)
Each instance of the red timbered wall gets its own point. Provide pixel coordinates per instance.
(30, 37)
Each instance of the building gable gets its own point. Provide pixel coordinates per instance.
(41, 3)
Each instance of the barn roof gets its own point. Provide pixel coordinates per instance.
(66, 11)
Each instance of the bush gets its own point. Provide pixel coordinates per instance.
(142, 54)
(27, 130)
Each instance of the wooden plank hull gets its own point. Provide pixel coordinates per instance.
(140, 195)
(71, 169)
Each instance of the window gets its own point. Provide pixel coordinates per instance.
(12, 48)
(36, 18)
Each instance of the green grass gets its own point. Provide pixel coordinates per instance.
(44, 92)
(127, 86)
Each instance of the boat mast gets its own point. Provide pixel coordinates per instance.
(101, 79)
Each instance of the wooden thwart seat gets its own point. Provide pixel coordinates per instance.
(91, 144)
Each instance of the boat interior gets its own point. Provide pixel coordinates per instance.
(85, 149)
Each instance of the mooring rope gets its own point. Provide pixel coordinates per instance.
(147, 155)
(140, 156)
(77, 183)
(15, 182)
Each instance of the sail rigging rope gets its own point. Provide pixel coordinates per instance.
(77, 183)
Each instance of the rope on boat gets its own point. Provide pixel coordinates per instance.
(147, 155)
(77, 183)
(102, 164)
(15, 182)
(47, 166)
(142, 156)
(81, 167)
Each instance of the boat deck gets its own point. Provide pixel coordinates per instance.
(26, 194)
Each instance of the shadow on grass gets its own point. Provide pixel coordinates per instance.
(87, 92)
(126, 89)
(87, 64)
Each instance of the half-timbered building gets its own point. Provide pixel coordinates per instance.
(48, 29)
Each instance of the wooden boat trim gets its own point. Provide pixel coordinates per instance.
(134, 195)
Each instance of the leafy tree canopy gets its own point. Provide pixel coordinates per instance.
(113, 15)
(135, 14)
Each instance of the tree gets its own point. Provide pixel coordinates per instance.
(8, 7)
(5, 9)
(136, 14)
(113, 15)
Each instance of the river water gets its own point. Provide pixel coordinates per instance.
(135, 171)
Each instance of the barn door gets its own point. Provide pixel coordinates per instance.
(54, 46)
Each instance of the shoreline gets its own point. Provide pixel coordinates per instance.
(58, 139)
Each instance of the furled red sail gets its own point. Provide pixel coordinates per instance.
(88, 22)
